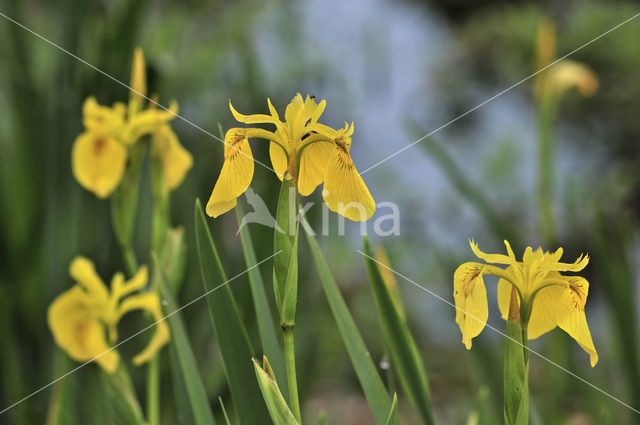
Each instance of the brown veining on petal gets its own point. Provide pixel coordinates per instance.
(99, 145)
(470, 279)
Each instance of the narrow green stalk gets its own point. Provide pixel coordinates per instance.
(159, 229)
(290, 366)
(130, 261)
(153, 391)
(546, 172)
(516, 365)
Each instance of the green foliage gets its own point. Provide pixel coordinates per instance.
(229, 329)
(278, 408)
(186, 374)
(266, 329)
(404, 352)
(370, 381)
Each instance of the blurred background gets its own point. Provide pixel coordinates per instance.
(398, 70)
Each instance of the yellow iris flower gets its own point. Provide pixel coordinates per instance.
(550, 298)
(84, 319)
(553, 82)
(301, 149)
(99, 155)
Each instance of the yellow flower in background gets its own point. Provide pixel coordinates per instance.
(176, 160)
(549, 298)
(99, 155)
(84, 319)
(301, 149)
(553, 82)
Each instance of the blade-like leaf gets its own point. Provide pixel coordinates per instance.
(224, 411)
(187, 369)
(278, 408)
(121, 400)
(393, 414)
(266, 328)
(405, 356)
(374, 390)
(232, 336)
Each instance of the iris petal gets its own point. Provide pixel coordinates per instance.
(313, 166)
(78, 332)
(98, 163)
(470, 296)
(176, 160)
(150, 302)
(236, 173)
(344, 190)
(571, 317)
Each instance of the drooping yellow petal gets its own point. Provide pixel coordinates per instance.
(571, 317)
(83, 271)
(78, 332)
(313, 166)
(150, 302)
(138, 82)
(567, 75)
(176, 160)
(236, 173)
(470, 296)
(98, 163)
(344, 190)
(101, 120)
(120, 288)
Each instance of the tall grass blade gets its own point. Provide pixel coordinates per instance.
(232, 336)
(405, 356)
(186, 369)
(372, 385)
(266, 328)
(393, 414)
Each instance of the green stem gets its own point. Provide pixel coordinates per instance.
(153, 391)
(290, 366)
(546, 172)
(130, 261)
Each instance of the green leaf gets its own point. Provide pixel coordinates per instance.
(61, 410)
(405, 356)
(187, 370)
(119, 398)
(233, 340)
(266, 328)
(284, 240)
(374, 390)
(224, 411)
(393, 414)
(516, 372)
(124, 200)
(278, 408)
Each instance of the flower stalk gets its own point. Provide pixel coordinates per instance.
(516, 366)
(285, 280)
